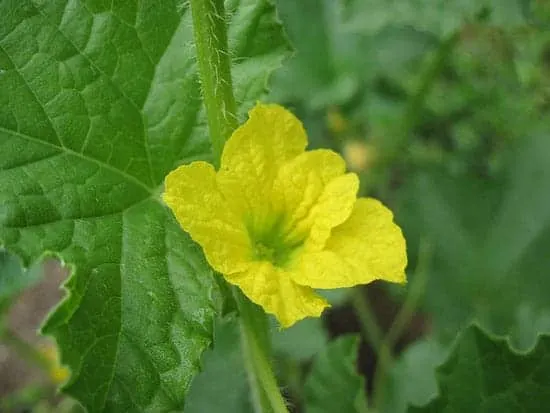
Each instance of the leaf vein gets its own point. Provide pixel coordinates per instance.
(31, 91)
(69, 151)
(113, 84)
(34, 161)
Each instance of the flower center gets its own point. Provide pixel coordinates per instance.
(272, 242)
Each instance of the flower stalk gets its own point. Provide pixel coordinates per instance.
(217, 88)
(215, 71)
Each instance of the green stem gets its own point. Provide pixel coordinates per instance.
(407, 311)
(428, 79)
(215, 73)
(418, 286)
(294, 378)
(397, 147)
(367, 321)
(254, 339)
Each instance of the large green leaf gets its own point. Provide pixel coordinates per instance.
(491, 237)
(412, 379)
(484, 375)
(333, 384)
(98, 101)
(223, 374)
(302, 341)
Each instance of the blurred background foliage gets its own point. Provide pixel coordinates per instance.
(442, 108)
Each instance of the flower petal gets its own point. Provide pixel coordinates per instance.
(300, 181)
(367, 247)
(300, 190)
(254, 153)
(333, 207)
(273, 289)
(192, 193)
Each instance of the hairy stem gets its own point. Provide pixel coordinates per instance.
(266, 396)
(215, 73)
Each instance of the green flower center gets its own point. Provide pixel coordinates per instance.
(275, 242)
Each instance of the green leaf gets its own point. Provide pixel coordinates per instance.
(333, 384)
(412, 379)
(223, 371)
(222, 384)
(519, 223)
(317, 73)
(326, 68)
(517, 244)
(98, 101)
(336, 297)
(440, 17)
(490, 237)
(483, 375)
(300, 342)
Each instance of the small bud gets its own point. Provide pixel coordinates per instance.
(336, 122)
(359, 155)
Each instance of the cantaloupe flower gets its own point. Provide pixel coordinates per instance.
(280, 222)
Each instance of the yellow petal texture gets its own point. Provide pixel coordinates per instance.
(278, 221)
(298, 188)
(301, 181)
(366, 247)
(254, 153)
(333, 207)
(273, 289)
(191, 191)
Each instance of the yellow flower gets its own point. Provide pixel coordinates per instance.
(278, 221)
